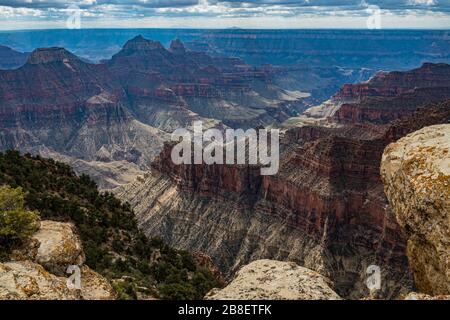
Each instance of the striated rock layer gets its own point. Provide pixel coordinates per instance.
(391, 95)
(325, 209)
(275, 280)
(122, 110)
(58, 104)
(416, 174)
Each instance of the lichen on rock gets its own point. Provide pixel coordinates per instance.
(26, 280)
(60, 246)
(38, 269)
(275, 280)
(422, 296)
(416, 174)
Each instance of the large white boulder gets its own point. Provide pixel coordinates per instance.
(275, 280)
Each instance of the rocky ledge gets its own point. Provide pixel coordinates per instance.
(416, 174)
(37, 271)
(275, 280)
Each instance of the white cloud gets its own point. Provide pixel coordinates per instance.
(226, 13)
(422, 2)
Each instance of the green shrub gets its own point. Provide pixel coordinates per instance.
(179, 291)
(16, 223)
(113, 245)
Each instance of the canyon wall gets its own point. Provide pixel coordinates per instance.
(325, 209)
(114, 117)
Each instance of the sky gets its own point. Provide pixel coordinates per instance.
(359, 14)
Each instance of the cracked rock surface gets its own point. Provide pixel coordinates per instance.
(416, 174)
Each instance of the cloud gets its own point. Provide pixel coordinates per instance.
(438, 5)
(46, 4)
(443, 5)
(220, 10)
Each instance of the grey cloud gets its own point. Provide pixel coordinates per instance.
(240, 7)
(436, 5)
(58, 4)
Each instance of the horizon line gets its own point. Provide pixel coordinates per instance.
(232, 28)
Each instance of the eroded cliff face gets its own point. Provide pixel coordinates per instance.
(111, 119)
(57, 105)
(325, 209)
(391, 95)
(38, 270)
(416, 174)
(348, 48)
(170, 88)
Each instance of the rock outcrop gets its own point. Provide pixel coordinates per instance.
(42, 275)
(27, 280)
(416, 174)
(275, 280)
(95, 286)
(59, 246)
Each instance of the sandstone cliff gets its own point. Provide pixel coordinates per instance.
(416, 174)
(325, 209)
(275, 280)
(38, 270)
(391, 95)
(58, 104)
(111, 119)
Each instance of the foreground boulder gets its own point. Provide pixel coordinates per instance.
(60, 246)
(416, 174)
(94, 286)
(275, 280)
(38, 271)
(26, 280)
(23, 280)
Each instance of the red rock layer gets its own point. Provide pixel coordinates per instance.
(328, 187)
(390, 96)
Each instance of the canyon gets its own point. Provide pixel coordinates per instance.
(325, 210)
(318, 62)
(110, 120)
(385, 49)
